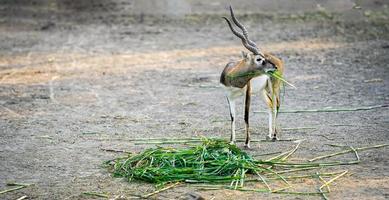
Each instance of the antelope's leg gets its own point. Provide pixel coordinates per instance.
(269, 98)
(274, 117)
(276, 109)
(271, 114)
(231, 104)
(272, 134)
(246, 114)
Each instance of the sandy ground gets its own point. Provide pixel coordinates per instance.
(69, 90)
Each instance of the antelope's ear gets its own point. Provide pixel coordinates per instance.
(245, 55)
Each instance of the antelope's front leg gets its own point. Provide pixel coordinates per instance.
(246, 114)
(231, 104)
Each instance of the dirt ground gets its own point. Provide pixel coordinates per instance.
(69, 89)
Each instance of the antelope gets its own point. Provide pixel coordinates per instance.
(251, 73)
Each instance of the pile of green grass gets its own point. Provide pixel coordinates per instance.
(212, 161)
(216, 164)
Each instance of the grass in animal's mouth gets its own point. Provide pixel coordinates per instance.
(216, 164)
(277, 75)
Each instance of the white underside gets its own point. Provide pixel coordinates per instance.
(258, 85)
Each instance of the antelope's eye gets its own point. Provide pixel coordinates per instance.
(262, 61)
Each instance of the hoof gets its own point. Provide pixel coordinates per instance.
(232, 142)
(273, 139)
(247, 146)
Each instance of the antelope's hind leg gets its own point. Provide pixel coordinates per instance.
(272, 125)
(270, 99)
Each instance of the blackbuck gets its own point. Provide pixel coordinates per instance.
(252, 74)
